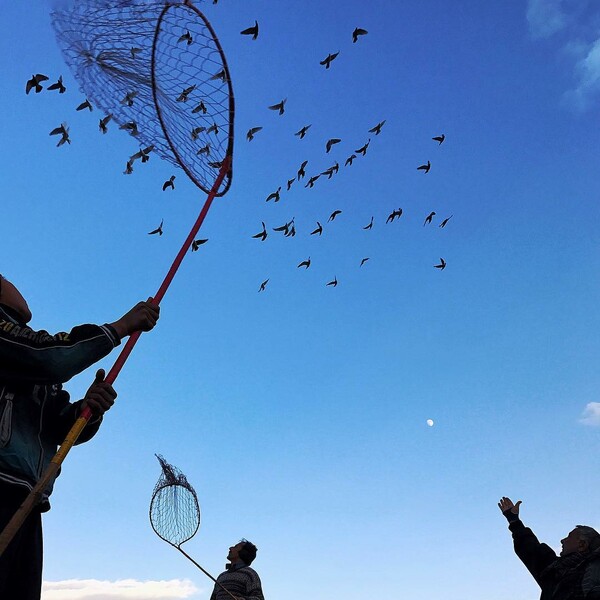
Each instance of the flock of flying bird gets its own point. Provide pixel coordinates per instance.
(288, 229)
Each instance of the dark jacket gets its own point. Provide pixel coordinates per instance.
(240, 580)
(572, 577)
(35, 412)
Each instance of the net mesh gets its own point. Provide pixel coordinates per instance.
(157, 67)
(174, 509)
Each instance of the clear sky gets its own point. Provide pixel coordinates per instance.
(300, 413)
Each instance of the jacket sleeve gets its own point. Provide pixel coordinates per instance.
(591, 581)
(254, 587)
(535, 556)
(41, 358)
(61, 416)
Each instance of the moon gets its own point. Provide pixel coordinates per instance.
(430, 422)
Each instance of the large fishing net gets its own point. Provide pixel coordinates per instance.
(158, 68)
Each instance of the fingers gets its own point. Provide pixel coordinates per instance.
(99, 376)
(101, 395)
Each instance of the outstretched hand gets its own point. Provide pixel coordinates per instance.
(508, 508)
(100, 396)
(142, 317)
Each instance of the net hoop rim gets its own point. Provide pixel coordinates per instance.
(155, 494)
(229, 150)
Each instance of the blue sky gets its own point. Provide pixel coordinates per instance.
(299, 413)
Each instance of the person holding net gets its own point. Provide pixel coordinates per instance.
(35, 414)
(574, 575)
(239, 579)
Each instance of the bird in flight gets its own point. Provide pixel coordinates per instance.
(349, 160)
(197, 131)
(429, 218)
(275, 195)
(425, 168)
(363, 149)
(213, 128)
(252, 132)
(311, 181)
(333, 215)
(443, 223)
(63, 131)
(318, 230)
(183, 97)
(204, 150)
(357, 32)
(58, 86)
(439, 138)
(263, 285)
(377, 129)
(326, 62)
(35, 82)
(285, 227)
(301, 171)
(104, 123)
(328, 172)
(158, 230)
(85, 104)
(333, 282)
(263, 234)
(220, 75)
(364, 260)
(330, 143)
(197, 243)
(292, 231)
(200, 108)
(133, 51)
(253, 31)
(289, 183)
(170, 183)
(370, 225)
(131, 126)
(128, 168)
(394, 215)
(442, 265)
(144, 154)
(280, 106)
(128, 99)
(302, 132)
(186, 37)
(305, 263)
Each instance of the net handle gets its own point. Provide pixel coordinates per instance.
(35, 495)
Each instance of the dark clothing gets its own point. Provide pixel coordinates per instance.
(35, 417)
(240, 580)
(575, 576)
(21, 563)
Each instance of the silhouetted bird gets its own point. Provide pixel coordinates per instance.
(364, 260)
(289, 183)
(330, 143)
(333, 282)
(253, 31)
(263, 285)
(158, 230)
(144, 154)
(63, 131)
(197, 131)
(197, 243)
(128, 99)
(133, 51)
(104, 123)
(301, 171)
(274, 195)
(429, 218)
(251, 133)
(377, 129)
(280, 106)
(333, 215)
(214, 128)
(292, 231)
(318, 230)
(302, 132)
(128, 168)
(349, 160)
(186, 37)
(328, 172)
(216, 164)
(58, 86)
(370, 225)
(219, 75)
(261, 235)
(305, 263)
(311, 181)
(200, 108)
(357, 32)
(183, 97)
(204, 150)
(131, 127)
(363, 149)
(442, 265)
(285, 227)
(35, 82)
(425, 168)
(85, 104)
(443, 223)
(170, 183)
(394, 215)
(439, 138)
(326, 62)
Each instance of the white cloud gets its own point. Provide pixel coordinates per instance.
(545, 17)
(591, 414)
(587, 71)
(123, 589)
